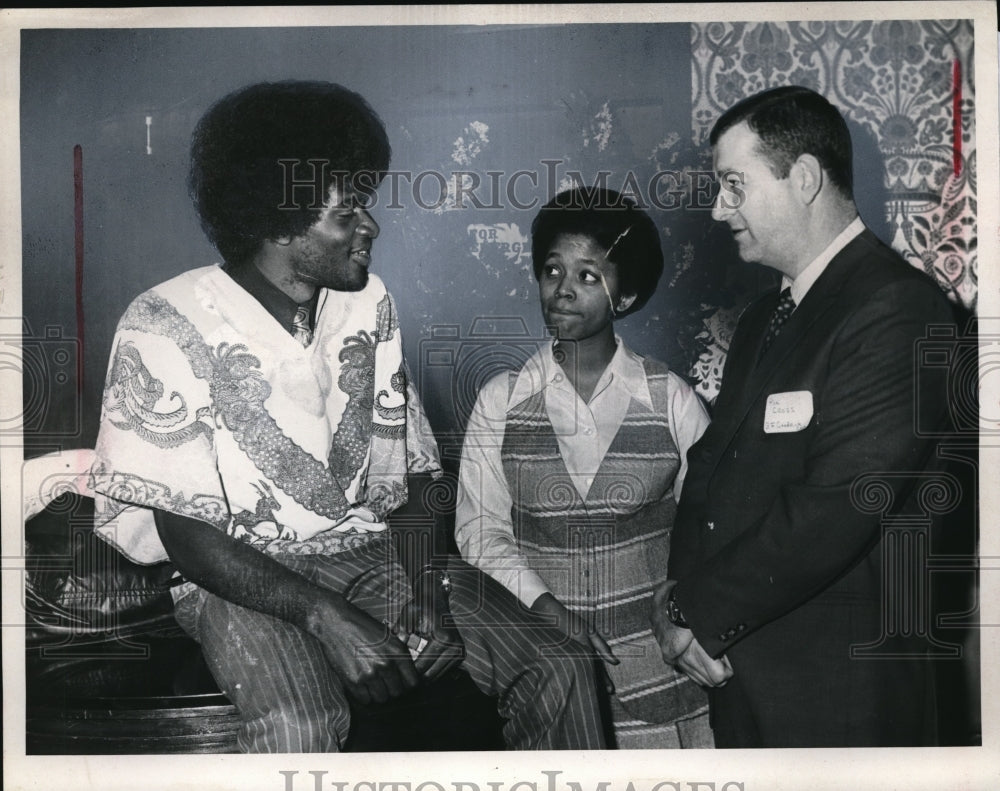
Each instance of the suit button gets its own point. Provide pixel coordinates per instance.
(724, 638)
(710, 525)
(741, 626)
(731, 634)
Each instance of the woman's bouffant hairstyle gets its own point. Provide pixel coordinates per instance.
(626, 233)
(263, 157)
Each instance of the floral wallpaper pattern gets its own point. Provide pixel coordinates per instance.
(909, 85)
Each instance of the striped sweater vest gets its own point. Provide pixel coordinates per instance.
(603, 556)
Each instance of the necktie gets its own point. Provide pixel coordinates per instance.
(300, 326)
(781, 313)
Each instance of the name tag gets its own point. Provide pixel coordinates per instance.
(786, 412)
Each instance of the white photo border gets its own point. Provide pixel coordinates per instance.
(960, 767)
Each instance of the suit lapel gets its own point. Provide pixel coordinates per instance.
(742, 357)
(749, 378)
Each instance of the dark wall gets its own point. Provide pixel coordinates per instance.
(545, 100)
(585, 97)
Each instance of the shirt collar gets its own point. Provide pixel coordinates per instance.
(625, 371)
(275, 301)
(801, 285)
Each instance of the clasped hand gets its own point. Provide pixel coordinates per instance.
(372, 664)
(681, 648)
(371, 657)
(426, 616)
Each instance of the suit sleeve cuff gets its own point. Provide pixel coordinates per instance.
(716, 638)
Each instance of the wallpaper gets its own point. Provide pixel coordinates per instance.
(905, 86)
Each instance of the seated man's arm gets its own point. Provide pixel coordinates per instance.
(372, 664)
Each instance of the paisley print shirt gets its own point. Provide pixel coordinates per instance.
(212, 410)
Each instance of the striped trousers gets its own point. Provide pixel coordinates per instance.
(291, 701)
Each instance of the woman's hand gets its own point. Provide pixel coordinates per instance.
(574, 627)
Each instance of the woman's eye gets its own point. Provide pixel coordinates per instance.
(550, 270)
(590, 277)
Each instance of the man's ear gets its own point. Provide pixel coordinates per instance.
(624, 302)
(808, 177)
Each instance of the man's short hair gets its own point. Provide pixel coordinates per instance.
(251, 157)
(791, 121)
(627, 234)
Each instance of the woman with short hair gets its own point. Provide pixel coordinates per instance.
(572, 466)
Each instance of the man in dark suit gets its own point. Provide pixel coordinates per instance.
(775, 570)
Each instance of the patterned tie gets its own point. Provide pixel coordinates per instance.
(300, 326)
(781, 313)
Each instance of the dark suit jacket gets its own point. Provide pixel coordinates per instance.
(777, 566)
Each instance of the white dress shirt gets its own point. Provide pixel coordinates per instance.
(801, 285)
(483, 529)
